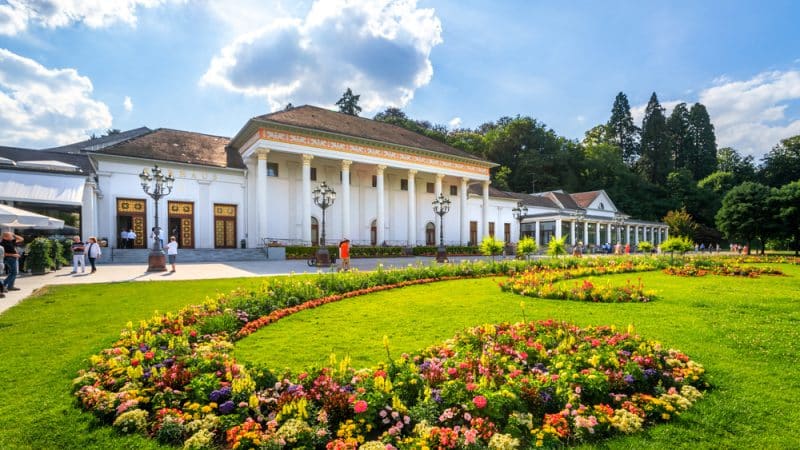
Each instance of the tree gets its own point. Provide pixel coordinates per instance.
(742, 168)
(701, 202)
(704, 142)
(680, 139)
(491, 247)
(526, 246)
(680, 244)
(782, 164)
(391, 115)
(557, 247)
(681, 223)
(348, 104)
(745, 213)
(654, 159)
(621, 130)
(787, 202)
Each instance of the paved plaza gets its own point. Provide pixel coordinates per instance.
(115, 273)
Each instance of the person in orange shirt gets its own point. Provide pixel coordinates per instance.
(627, 249)
(344, 253)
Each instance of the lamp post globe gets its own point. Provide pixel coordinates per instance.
(323, 196)
(441, 205)
(157, 185)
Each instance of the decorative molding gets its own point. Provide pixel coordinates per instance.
(381, 168)
(412, 172)
(307, 159)
(358, 149)
(346, 164)
(262, 153)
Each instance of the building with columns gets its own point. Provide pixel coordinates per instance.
(256, 188)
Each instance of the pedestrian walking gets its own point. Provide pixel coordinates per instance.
(172, 251)
(344, 253)
(628, 249)
(10, 259)
(93, 252)
(78, 248)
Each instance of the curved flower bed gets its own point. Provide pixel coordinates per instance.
(694, 270)
(501, 386)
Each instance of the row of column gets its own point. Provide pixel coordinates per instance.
(609, 238)
(262, 195)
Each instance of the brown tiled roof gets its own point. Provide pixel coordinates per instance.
(179, 146)
(563, 198)
(584, 199)
(312, 117)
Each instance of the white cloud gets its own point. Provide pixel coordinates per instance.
(17, 15)
(379, 48)
(43, 107)
(127, 104)
(750, 115)
(455, 122)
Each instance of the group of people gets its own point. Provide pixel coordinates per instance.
(85, 250)
(127, 238)
(738, 248)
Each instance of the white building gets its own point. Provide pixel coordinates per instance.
(256, 187)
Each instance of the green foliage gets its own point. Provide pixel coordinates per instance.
(703, 160)
(348, 104)
(39, 259)
(557, 247)
(742, 168)
(782, 164)
(452, 250)
(225, 322)
(680, 140)
(745, 213)
(786, 201)
(621, 131)
(681, 223)
(526, 246)
(645, 246)
(57, 254)
(654, 156)
(680, 244)
(66, 253)
(303, 252)
(491, 246)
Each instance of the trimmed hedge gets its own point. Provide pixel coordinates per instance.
(452, 250)
(301, 252)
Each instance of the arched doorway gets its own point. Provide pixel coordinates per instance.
(373, 233)
(314, 231)
(430, 234)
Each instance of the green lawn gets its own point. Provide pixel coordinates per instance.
(745, 331)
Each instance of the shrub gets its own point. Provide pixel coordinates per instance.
(526, 246)
(66, 253)
(225, 322)
(645, 247)
(57, 255)
(302, 252)
(491, 247)
(677, 244)
(557, 247)
(39, 259)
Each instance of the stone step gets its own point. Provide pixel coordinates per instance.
(135, 256)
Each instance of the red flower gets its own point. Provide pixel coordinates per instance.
(360, 406)
(479, 401)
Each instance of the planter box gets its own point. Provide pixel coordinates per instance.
(276, 253)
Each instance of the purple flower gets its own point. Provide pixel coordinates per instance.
(227, 407)
(629, 379)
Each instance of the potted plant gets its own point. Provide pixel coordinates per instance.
(56, 257)
(39, 259)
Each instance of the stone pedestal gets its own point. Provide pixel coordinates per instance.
(157, 261)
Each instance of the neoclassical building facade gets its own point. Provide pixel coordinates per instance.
(256, 188)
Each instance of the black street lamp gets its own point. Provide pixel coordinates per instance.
(161, 187)
(440, 207)
(519, 213)
(323, 196)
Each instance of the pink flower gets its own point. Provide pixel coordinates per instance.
(360, 406)
(479, 401)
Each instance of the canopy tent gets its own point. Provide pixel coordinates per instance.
(11, 217)
(42, 188)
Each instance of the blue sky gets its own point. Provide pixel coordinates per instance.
(67, 68)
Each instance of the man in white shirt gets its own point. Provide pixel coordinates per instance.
(123, 239)
(131, 238)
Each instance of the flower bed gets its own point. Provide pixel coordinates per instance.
(502, 386)
(694, 270)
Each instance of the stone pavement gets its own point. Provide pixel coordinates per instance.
(112, 273)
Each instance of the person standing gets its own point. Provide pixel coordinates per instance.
(78, 248)
(344, 253)
(93, 252)
(10, 259)
(172, 251)
(131, 238)
(123, 238)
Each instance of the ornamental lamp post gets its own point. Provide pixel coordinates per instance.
(440, 207)
(619, 220)
(519, 213)
(580, 218)
(323, 196)
(157, 185)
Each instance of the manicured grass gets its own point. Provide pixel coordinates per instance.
(45, 340)
(744, 331)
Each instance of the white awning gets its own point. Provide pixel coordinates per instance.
(41, 188)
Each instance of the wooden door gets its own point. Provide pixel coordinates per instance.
(181, 223)
(224, 226)
(132, 212)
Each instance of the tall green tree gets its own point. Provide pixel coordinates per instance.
(622, 131)
(654, 160)
(786, 200)
(681, 223)
(741, 167)
(782, 164)
(745, 214)
(680, 139)
(704, 142)
(348, 104)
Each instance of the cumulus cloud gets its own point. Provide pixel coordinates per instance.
(749, 115)
(455, 122)
(42, 107)
(17, 15)
(379, 48)
(127, 104)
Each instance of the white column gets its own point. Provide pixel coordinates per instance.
(536, 232)
(306, 234)
(204, 216)
(437, 186)
(666, 233)
(89, 211)
(627, 234)
(412, 208)
(558, 228)
(462, 211)
(636, 234)
(485, 210)
(585, 233)
(597, 233)
(346, 198)
(572, 233)
(608, 233)
(380, 221)
(261, 194)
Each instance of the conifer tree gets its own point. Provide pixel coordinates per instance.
(622, 131)
(680, 138)
(704, 160)
(654, 160)
(348, 104)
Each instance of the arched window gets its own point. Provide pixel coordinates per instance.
(373, 233)
(430, 234)
(314, 231)
(602, 206)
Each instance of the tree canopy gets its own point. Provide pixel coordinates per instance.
(348, 104)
